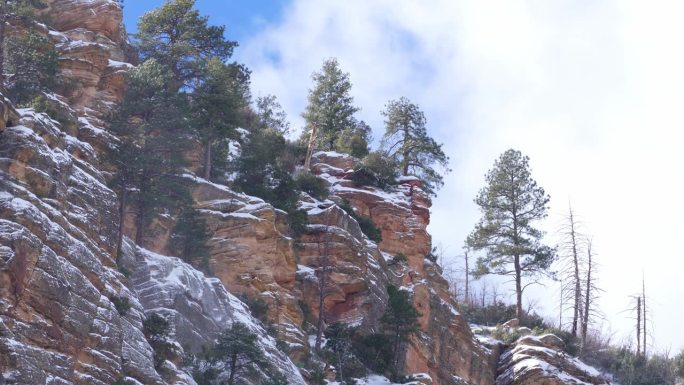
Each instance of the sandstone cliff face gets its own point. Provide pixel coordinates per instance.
(58, 220)
(59, 280)
(445, 348)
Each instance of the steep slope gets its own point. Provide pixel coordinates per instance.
(58, 278)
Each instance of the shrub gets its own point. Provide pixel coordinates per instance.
(374, 351)
(338, 349)
(156, 329)
(257, 306)
(122, 304)
(366, 224)
(312, 185)
(432, 256)
(368, 227)
(399, 258)
(679, 364)
(297, 221)
(376, 169)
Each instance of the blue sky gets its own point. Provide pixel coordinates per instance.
(241, 17)
(591, 91)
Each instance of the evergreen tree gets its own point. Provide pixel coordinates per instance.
(330, 107)
(179, 38)
(238, 352)
(157, 331)
(400, 318)
(510, 203)
(265, 167)
(354, 139)
(189, 239)
(406, 140)
(218, 104)
(339, 347)
(270, 114)
(150, 124)
(32, 67)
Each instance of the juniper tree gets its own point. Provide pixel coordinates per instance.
(179, 38)
(406, 139)
(511, 203)
(331, 107)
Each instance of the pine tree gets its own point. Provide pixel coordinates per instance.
(270, 114)
(400, 318)
(32, 66)
(510, 203)
(218, 104)
(189, 239)
(406, 140)
(354, 140)
(238, 352)
(150, 125)
(330, 108)
(179, 38)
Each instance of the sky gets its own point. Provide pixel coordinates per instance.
(591, 91)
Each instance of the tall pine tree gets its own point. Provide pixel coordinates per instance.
(179, 38)
(331, 107)
(150, 124)
(510, 203)
(218, 104)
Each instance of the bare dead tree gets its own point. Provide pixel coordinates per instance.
(560, 305)
(588, 298)
(466, 273)
(643, 296)
(638, 328)
(310, 147)
(570, 247)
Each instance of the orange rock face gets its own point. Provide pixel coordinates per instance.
(445, 349)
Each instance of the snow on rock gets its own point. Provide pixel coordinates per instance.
(198, 307)
(539, 360)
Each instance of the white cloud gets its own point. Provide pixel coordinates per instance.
(591, 91)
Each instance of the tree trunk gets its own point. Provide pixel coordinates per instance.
(467, 284)
(122, 219)
(405, 151)
(233, 364)
(207, 160)
(643, 295)
(638, 331)
(587, 298)
(518, 288)
(3, 20)
(578, 288)
(140, 223)
(310, 148)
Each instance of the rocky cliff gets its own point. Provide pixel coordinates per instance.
(59, 282)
